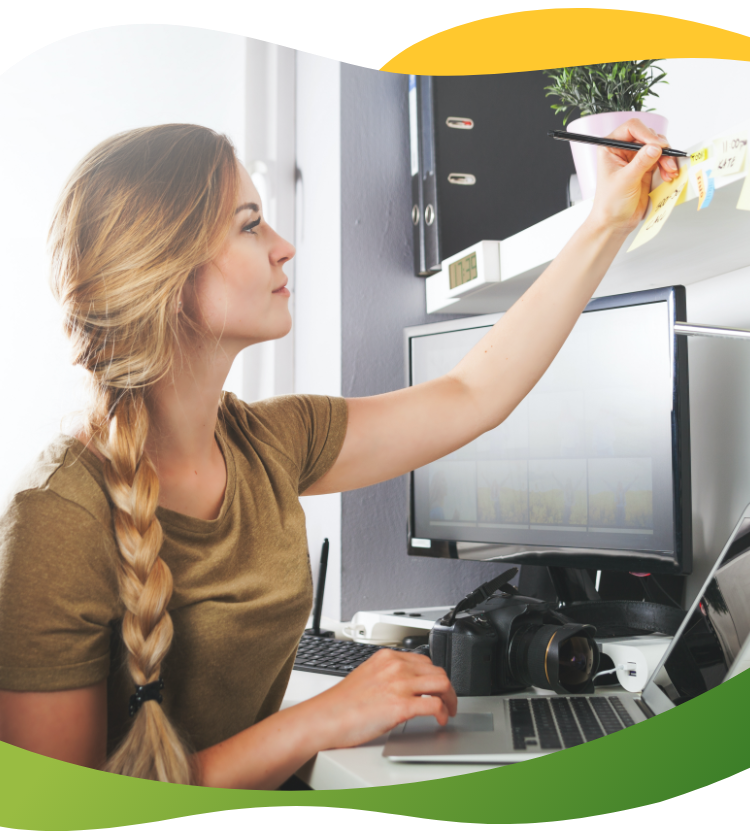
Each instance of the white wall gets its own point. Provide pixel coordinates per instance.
(267, 369)
(56, 105)
(703, 97)
(318, 280)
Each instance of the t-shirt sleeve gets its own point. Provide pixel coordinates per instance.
(58, 594)
(308, 429)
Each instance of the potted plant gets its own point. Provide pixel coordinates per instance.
(605, 96)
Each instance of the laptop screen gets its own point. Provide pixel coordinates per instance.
(716, 627)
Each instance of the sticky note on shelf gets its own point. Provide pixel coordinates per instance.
(699, 156)
(664, 198)
(744, 201)
(704, 184)
(729, 154)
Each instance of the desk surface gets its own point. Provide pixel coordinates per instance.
(361, 766)
(364, 766)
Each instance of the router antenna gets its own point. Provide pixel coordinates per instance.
(318, 605)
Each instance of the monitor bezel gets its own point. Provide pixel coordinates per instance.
(680, 561)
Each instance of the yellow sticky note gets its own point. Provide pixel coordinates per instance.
(744, 201)
(699, 156)
(663, 201)
(729, 154)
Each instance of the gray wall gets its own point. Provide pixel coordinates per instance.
(380, 297)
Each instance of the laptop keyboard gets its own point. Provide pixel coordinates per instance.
(550, 722)
(562, 722)
(336, 657)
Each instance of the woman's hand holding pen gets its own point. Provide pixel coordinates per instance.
(624, 177)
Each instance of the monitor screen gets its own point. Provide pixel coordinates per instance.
(591, 469)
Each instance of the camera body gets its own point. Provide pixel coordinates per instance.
(510, 642)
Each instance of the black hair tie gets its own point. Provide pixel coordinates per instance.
(143, 693)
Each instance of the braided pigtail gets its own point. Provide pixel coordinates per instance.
(139, 215)
(152, 747)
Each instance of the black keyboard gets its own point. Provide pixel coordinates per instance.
(562, 722)
(336, 657)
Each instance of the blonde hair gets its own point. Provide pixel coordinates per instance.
(140, 213)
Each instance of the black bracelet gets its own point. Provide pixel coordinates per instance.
(144, 693)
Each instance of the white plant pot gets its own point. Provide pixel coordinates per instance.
(602, 124)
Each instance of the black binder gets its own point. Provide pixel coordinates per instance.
(417, 210)
(432, 227)
(487, 169)
(424, 215)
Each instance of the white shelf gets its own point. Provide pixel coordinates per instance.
(693, 246)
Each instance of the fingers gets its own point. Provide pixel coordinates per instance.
(635, 131)
(386, 655)
(436, 684)
(416, 676)
(388, 689)
(668, 166)
(424, 706)
(645, 160)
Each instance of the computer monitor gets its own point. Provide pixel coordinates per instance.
(591, 470)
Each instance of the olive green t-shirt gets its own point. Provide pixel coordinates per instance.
(242, 583)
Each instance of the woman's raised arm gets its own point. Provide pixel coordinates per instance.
(391, 434)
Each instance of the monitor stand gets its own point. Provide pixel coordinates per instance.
(573, 585)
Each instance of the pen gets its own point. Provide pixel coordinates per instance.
(612, 143)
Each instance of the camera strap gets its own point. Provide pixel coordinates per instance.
(482, 593)
(625, 618)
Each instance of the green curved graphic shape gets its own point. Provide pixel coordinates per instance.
(699, 743)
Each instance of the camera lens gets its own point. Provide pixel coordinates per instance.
(556, 657)
(576, 660)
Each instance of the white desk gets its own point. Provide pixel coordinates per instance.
(364, 766)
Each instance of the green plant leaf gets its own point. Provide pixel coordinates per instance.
(603, 88)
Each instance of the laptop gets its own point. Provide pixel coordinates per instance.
(711, 645)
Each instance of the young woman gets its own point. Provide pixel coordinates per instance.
(165, 540)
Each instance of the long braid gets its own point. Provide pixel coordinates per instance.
(152, 748)
(138, 216)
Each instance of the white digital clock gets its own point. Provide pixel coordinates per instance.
(466, 272)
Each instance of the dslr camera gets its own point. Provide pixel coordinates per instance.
(496, 641)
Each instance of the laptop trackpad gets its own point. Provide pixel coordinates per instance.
(459, 723)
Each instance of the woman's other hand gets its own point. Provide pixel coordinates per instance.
(624, 177)
(388, 689)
